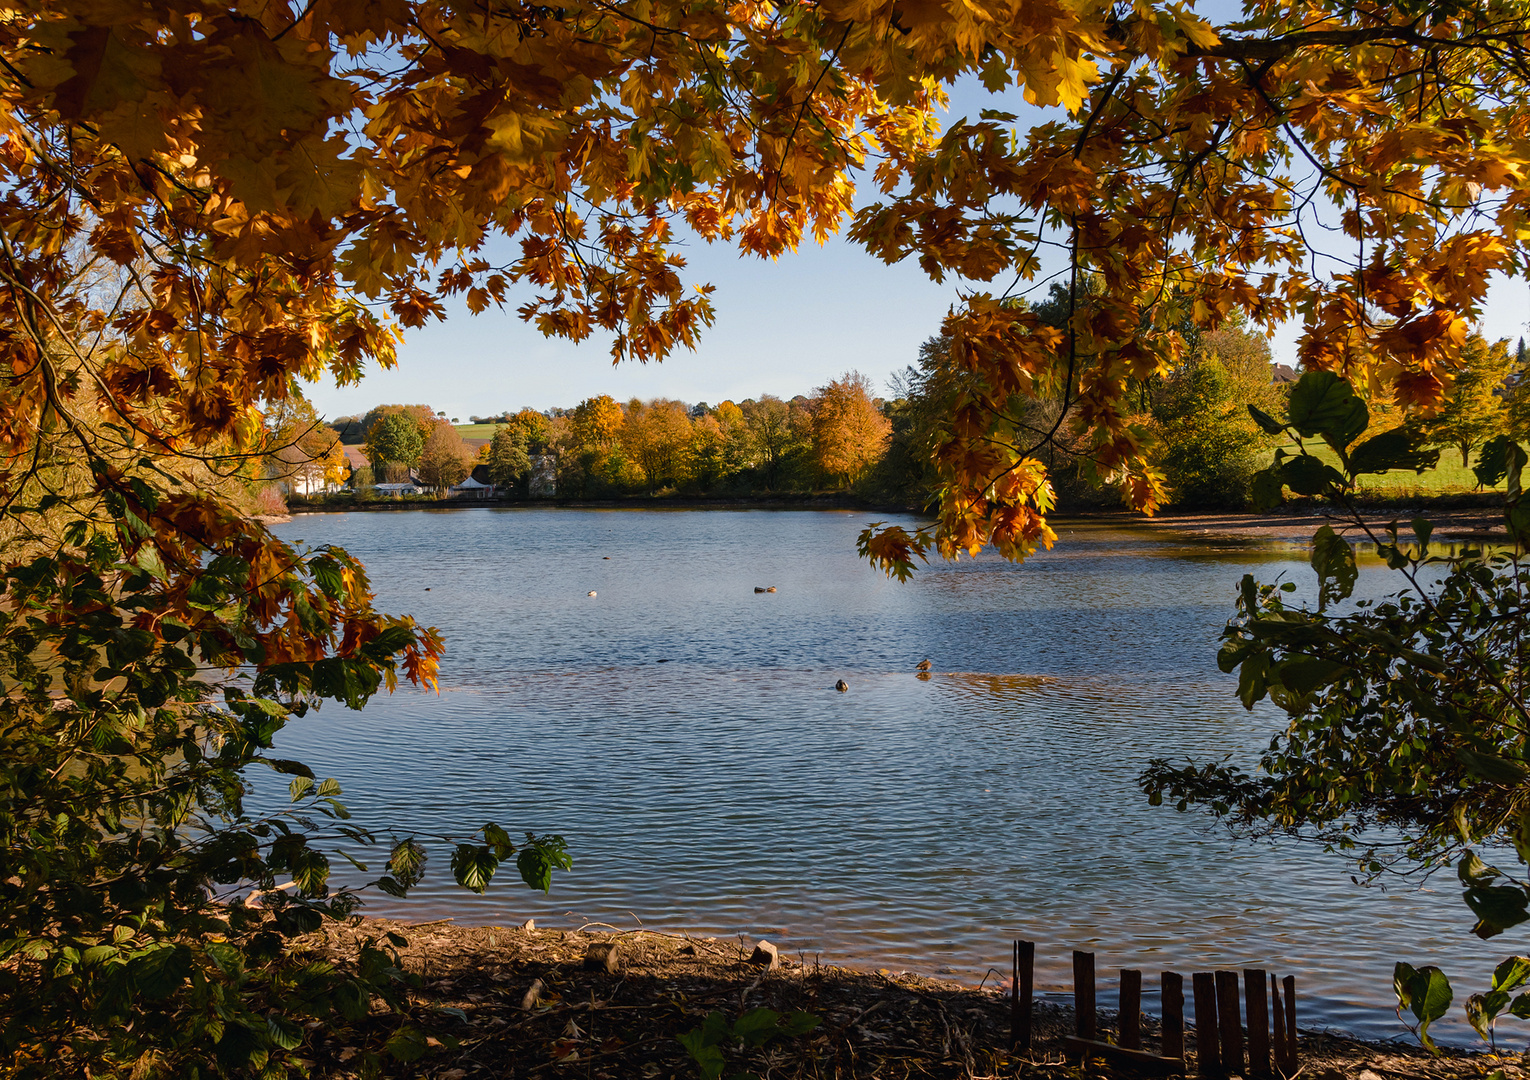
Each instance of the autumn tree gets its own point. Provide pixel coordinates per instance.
(507, 457)
(444, 458)
(300, 448)
(597, 421)
(849, 431)
(424, 415)
(1208, 445)
(534, 429)
(658, 436)
(395, 442)
(774, 434)
(1474, 409)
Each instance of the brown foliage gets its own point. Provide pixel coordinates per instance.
(446, 459)
(658, 436)
(849, 431)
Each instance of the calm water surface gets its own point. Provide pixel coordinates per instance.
(684, 734)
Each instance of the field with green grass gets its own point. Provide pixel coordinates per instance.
(1449, 477)
(477, 431)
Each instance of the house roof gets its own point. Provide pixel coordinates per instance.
(355, 457)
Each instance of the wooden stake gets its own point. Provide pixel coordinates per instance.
(1021, 986)
(1278, 1010)
(1229, 1021)
(1130, 1036)
(1257, 1014)
(1208, 1057)
(1173, 1014)
(1288, 984)
(1083, 994)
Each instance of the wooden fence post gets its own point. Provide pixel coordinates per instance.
(1229, 1021)
(1278, 1016)
(1207, 1054)
(1173, 1015)
(1021, 986)
(1258, 1022)
(1288, 985)
(1083, 995)
(1130, 1035)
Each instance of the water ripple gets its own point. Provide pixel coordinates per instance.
(684, 734)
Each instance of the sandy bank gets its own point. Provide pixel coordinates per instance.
(599, 1025)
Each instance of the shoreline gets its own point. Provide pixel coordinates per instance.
(513, 1001)
(1295, 525)
(1449, 525)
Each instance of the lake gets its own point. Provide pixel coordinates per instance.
(684, 734)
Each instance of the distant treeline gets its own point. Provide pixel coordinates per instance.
(850, 436)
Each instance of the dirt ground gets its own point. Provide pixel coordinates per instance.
(531, 1006)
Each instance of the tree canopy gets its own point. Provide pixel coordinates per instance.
(269, 174)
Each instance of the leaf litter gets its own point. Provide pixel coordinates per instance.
(592, 1025)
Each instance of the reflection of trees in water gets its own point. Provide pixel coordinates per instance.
(985, 682)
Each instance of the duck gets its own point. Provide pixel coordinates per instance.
(923, 665)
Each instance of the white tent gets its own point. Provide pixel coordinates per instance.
(478, 489)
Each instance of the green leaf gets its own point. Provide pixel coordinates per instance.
(1396, 449)
(1334, 561)
(1493, 461)
(1473, 871)
(1270, 425)
(1492, 768)
(1483, 1009)
(1517, 520)
(499, 840)
(160, 971)
(300, 786)
(1497, 908)
(96, 954)
(392, 886)
(473, 866)
(1512, 973)
(407, 862)
(1305, 674)
(1325, 404)
(1521, 1007)
(757, 1026)
(715, 1027)
(707, 1056)
(1426, 993)
(539, 858)
(1308, 475)
(1265, 491)
(284, 1032)
(406, 1045)
(798, 1022)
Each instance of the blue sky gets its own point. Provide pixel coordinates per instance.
(782, 328)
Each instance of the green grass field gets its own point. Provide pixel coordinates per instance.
(477, 431)
(1447, 478)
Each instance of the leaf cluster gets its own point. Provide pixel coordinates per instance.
(153, 643)
(1408, 747)
(708, 1044)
